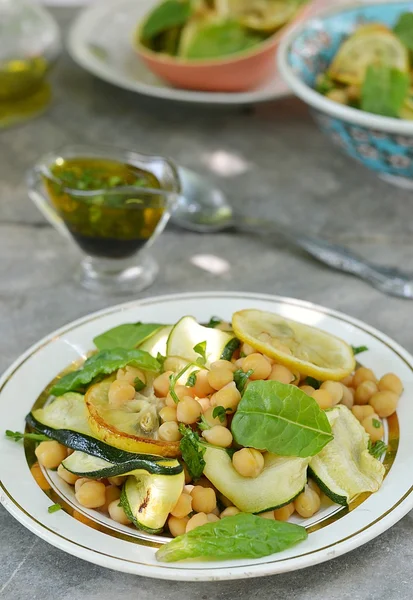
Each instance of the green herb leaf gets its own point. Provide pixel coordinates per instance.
(240, 536)
(241, 379)
(324, 84)
(192, 451)
(214, 322)
(17, 436)
(376, 449)
(384, 90)
(404, 29)
(161, 359)
(104, 363)
(128, 335)
(214, 40)
(191, 381)
(173, 380)
(359, 349)
(169, 14)
(201, 350)
(376, 423)
(220, 413)
(313, 382)
(282, 419)
(139, 384)
(54, 508)
(203, 424)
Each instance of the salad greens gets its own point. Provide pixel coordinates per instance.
(377, 449)
(192, 451)
(54, 508)
(104, 362)
(359, 349)
(404, 29)
(214, 322)
(281, 419)
(220, 39)
(241, 379)
(128, 335)
(167, 15)
(384, 90)
(17, 436)
(240, 536)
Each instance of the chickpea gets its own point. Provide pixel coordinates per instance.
(312, 485)
(268, 515)
(362, 412)
(69, 451)
(223, 364)
(91, 494)
(169, 432)
(307, 389)
(117, 513)
(307, 503)
(204, 499)
(161, 384)
(218, 378)
(246, 349)
(120, 392)
(224, 326)
(364, 392)
(261, 368)
(212, 518)
(67, 475)
(297, 378)
(269, 360)
(281, 374)
(212, 421)
(183, 507)
(323, 398)
(348, 397)
(230, 511)
(384, 403)
(117, 480)
(177, 526)
(228, 397)
(204, 403)
(188, 411)
(374, 427)
(182, 392)
(81, 482)
(338, 95)
(225, 501)
(348, 380)
(112, 493)
(284, 513)
(50, 454)
(248, 462)
(40, 479)
(168, 413)
(129, 374)
(196, 521)
(335, 389)
(173, 363)
(240, 363)
(216, 511)
(353, 93)
(218, 436)
(202, 387)
(363, 374)
(391, 383)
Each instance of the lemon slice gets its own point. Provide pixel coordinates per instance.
(309, 350)
(370, 46)
(265, 16)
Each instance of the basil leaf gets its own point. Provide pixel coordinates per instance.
(17, 436)
(220, 39)
(404, 29)
(191, 381)
(201, 350)
(240, 536)
(315, 383)
(241, 379)
(169, 14)
(376, 449)
(214, 322)
(161, 359)
(384, 90)
(192, 452)
(359, 349)
(220, 412)
(282, 419)
(128, 335)
(104, 363)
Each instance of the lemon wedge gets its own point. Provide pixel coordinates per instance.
(265, 16)
(307, 349)
(370, 46)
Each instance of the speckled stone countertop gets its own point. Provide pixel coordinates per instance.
(278, 166)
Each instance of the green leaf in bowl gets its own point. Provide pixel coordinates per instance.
(404, 29)
(168, 15)
(384, 90)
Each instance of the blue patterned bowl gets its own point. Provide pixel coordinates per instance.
(380, 143)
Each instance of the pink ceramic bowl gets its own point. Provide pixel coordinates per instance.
(237, 73)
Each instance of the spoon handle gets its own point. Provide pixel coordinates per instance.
(389, 280)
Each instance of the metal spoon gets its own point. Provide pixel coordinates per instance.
(205, 209)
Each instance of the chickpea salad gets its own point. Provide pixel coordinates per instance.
(372, 70)
(216, 435)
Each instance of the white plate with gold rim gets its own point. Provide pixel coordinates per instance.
(90, 535)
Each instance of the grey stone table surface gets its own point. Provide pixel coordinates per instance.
(274, 162)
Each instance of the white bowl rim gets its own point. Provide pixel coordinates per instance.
(320, 102)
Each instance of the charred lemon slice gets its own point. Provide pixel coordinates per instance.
(370, 46)
(132, 427)
(264, 16)
(308, 349)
